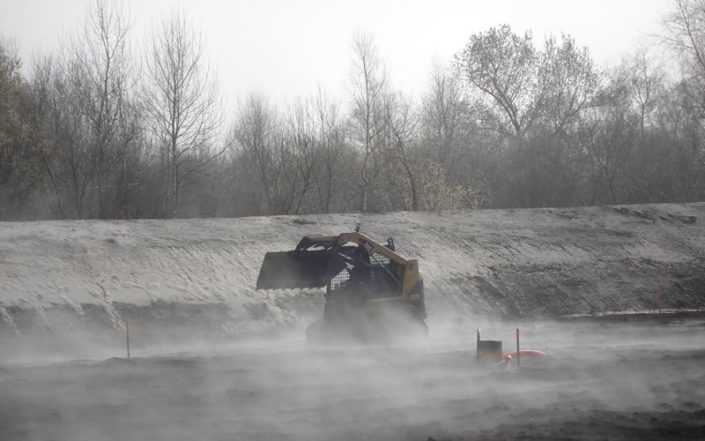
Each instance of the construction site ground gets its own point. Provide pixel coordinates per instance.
(213, 359)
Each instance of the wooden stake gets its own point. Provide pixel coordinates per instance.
(127, 333)
(518, 353)
(477, 348)
(659, 302)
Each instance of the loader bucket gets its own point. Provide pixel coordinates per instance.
(298, 269)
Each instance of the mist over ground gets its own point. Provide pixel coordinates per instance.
(214, 359)
(617, 381)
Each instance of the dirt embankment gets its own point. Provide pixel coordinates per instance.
(188, 277)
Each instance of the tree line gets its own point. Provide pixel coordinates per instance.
(95, 132)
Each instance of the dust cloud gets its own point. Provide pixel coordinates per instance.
(619, 378)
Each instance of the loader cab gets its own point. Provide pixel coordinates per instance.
(371, 276)
(386, 276)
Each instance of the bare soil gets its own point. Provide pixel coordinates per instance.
(611, 380)
(213, 359)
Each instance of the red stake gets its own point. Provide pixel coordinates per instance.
(127, 333)
(518, 351)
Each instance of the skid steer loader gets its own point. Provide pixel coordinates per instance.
(372, 293)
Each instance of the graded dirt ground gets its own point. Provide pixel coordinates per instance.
(214, 359)
(629, 380)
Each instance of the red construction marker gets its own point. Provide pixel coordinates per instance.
(127, 334)
(518, 351)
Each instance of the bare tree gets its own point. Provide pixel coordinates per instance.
(501, 65)
(567, 86)
(92, 115)
(449, 131)
(443, 109)
(686, 34)
(403, 125)
(304, 145)
(182, 103)
(612, 129)
(50, 109)
(534, 99)
(567, 83)
(331, 143)
(253, 139)
(686, 27)
(101, 84)
(368, 84)
(647, 85)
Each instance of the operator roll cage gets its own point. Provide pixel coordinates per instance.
(349, 254)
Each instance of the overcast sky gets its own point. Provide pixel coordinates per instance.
(286, 48)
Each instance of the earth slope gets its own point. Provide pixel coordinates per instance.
(178, 279)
